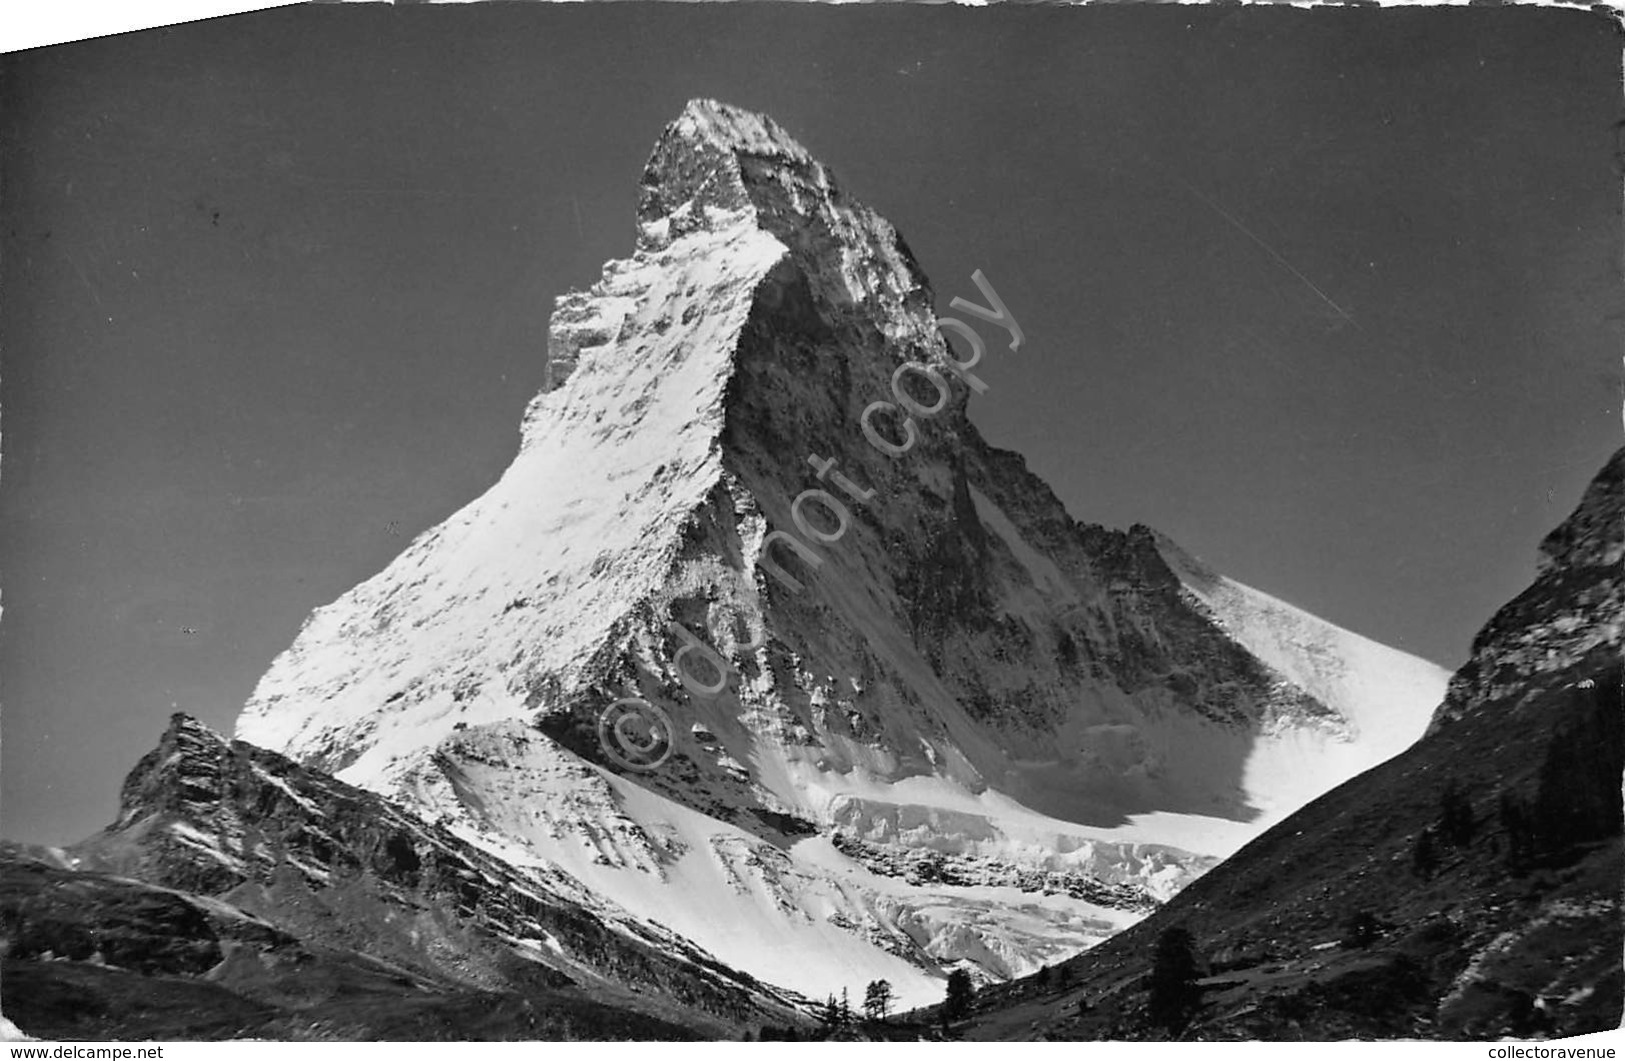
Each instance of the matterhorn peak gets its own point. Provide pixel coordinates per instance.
(695, 170)
(735, 129)
(757, 637)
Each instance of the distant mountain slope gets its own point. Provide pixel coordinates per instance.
(928, 659)
(1343, 921)
(1382, 695)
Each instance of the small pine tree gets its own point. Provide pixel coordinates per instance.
(832, 1013)
(961, 991)
(1361, 929)
(1515, 821)
(1041, 977)
(846, 1008)
(1424, 859)
(1456, 822)
(1174, 994)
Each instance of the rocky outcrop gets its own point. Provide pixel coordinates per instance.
(92, 955)
(207, 826)
(1575, 606)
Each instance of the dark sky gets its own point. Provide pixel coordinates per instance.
(1330, 297)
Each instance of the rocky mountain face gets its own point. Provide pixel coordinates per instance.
(250, 896)
(1468, 888)
(726, 621)
(1573, 606)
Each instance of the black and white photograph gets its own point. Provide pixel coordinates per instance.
(873, 522)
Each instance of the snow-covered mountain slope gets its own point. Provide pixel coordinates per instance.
(951, 725)
(1381, 696)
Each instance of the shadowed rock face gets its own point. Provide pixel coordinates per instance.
(964, 668)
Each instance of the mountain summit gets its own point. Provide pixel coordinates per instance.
(757, 637)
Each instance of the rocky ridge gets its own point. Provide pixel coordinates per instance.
(1575, 604)
(241, 844)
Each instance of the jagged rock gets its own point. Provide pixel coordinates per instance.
(1575, 605)
(225, 840)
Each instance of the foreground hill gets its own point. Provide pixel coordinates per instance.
(241, 895)
(1468, 888)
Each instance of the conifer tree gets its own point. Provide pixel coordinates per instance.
(1456, 823)
(960, 993)
(1520, 831)
(1424, 859)
(877, 999)
(1174, 994)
